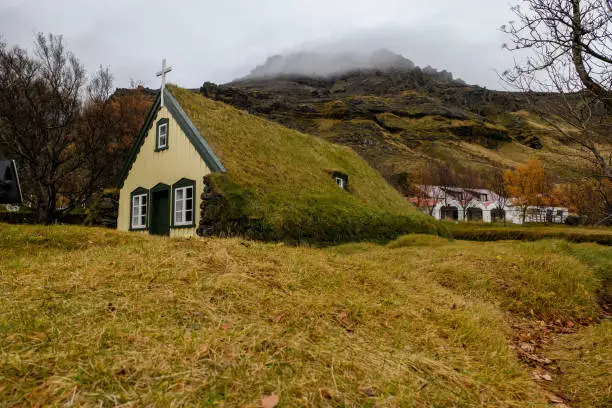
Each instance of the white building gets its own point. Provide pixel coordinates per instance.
(476, 204)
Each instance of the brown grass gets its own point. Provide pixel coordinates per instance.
(585, 365)
(92, 317)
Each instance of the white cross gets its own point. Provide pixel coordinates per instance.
(162, 74)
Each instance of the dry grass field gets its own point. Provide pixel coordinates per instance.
(93, 317)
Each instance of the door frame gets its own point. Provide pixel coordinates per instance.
(159, 188)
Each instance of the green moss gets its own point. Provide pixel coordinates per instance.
(334, 109)
(279, 184)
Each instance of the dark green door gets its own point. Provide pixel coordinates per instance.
(160, 212)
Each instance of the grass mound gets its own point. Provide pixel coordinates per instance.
(279, 183)
(488, 232)
(89, 317)
(417, 240)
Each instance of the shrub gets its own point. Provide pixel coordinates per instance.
(530, 233)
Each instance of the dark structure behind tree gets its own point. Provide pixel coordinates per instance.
(10, 189)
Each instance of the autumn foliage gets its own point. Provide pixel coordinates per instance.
(527, 185)
(113, 124)
(590, 198)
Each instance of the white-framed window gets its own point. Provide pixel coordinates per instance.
(183, 206)
(139, 211)
(162, 135)
(340, 182)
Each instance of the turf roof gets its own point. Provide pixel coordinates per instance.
(286, 176)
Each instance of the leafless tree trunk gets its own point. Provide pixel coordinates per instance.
(498, 186)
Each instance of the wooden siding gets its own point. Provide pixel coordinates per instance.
(180, 160)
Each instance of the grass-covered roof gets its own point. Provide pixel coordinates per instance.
(279, 182)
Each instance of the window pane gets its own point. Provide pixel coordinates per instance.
(178, 217)
(135, 210)
(189, 192)
(189, 204)
(162, 131)
(139, 211)
(189, 216)
(179, 193)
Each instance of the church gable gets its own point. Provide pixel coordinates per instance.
(157, 126)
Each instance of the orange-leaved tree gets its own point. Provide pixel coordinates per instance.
(590, 199)
(527, 185)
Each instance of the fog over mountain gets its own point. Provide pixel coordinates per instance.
(311, 63)
(330, 63)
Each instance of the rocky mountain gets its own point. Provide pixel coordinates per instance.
(399, 117)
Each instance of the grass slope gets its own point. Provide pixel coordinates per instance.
(279, 183)
(89, 317)
(399, 126)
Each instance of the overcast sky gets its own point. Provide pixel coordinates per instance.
(208, 40)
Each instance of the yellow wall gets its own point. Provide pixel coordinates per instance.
(180, 160)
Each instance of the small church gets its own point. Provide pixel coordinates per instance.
(202, 167)
(160, 186)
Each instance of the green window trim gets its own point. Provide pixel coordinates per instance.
(160, 187)
(140, 191)
(182, 183)
(162, 122)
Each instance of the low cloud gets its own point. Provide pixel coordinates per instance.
(222, 41)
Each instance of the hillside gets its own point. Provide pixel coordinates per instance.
(400, 117)
(279, 183)
(90, 317)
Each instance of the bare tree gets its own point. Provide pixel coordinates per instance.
(423, 189)
(497, 184)
(39, 106)
(427, 196)
(64, 132)
(567, 71)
